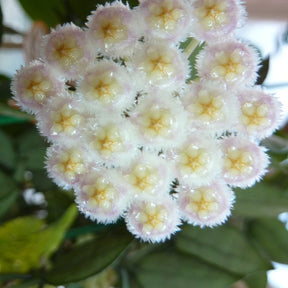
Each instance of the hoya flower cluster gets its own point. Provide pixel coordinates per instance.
(130, 133)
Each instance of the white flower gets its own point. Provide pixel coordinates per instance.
(154, 219)
(102, 196)
(244, 162)
(207, 205)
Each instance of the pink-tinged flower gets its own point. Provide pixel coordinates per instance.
(198, 160)
(148, 175)
(215, 19)
(231, 63)
(112, 29)
(66, 51)
(34, 84)
(62, 119)
(260, 113)
(165, 19)
(153, 219)
(113, 141)
(211, 107)
(107, 84)
(207, 205)
(102, 196)
(66, 164)
(244, 162)
(160, 120)
(162, 64)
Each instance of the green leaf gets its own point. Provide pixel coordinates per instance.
(256, 280)
(10, 112)
(25, 245)
(253, 280)
(89, 258)
(262, 199)
(224, 246)
(271, 237)
(7, 153)
(51, 12)
(5, 83)
(171, 269)
(32, 149)
(8, 193)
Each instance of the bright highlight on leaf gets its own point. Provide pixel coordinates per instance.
(125, 125)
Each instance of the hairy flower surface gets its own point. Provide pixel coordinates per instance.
(138, 134)
(206, 205)
(215, 19)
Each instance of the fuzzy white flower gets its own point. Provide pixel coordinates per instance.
(231, 63)
(215, 19)
(211, 107)
(198, 160)
(111, 29)
(107, 84)
(161, 64)
(34, 84)
(101, 195)
(65, 50)
(206, 205)
(148, 175)
(260, 113)
(166, 19)
(153, 219)
(159, 117)
(66, 164)
(245, 162)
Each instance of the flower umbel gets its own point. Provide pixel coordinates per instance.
(131, 133)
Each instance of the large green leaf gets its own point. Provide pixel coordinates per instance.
(7, 152)
(271, 237)
(25, 245)
(32, 149)
(170, 269)
(256, 280)
(225, 247)
(51, 12)
(89, 258)
(253, 280)
(8, 193)
(262, 199)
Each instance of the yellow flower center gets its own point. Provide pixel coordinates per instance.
(111, 30)
(103, 88)
(71, 164)
(207, 107)
(66, 120)
(157, 122)
(108, 140)
(153, 217)
(37, 87)
(143, 178)
(193, 160)
(101, 194)
(67, 51)
(255, 115)
(238, 162)
(158, 65)
(202, 201)
(213, 14)
(165, 16)
(228, 66)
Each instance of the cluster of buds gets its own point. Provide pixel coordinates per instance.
(129, 131)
